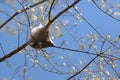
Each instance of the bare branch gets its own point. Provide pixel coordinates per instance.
(87, 52)
(49, 14)
(13, 52)
(83, 67)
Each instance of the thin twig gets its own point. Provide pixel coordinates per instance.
(2, 48)
(101, 49)
(75, 50)
(104, 11)
(24, 70)
(27, 16)
(49, 13)
(86, 52)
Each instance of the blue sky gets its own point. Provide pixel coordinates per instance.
(106, 25)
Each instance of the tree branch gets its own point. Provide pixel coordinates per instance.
(60, 13)
(13, 52)
(46, 27)
(20, 11)
(83, 67)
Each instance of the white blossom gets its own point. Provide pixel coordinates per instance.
(64, 64)
(116, 13)
(108, 37)
(116, 40)
(118, 5)
(109, 11)
(33, 17)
